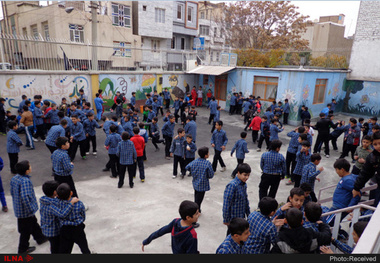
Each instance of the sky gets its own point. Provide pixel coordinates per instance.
(315, 9)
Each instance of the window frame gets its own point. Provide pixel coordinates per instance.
(119, 15)
(266, 83)
(318, 86)
(76, 33)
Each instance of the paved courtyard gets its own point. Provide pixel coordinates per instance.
(119, 219)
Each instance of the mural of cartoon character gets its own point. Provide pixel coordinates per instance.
(176, 91)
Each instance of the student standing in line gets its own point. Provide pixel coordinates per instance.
(219, 141)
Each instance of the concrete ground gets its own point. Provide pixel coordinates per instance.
(119, 219)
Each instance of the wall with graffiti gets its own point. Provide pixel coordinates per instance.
(361, 97)
(177, 85)
(52, 88)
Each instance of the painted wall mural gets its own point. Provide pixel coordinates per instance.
(52, 88)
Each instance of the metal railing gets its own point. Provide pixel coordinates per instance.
(329, 199)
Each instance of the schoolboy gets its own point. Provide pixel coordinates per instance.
(167, 97)
(190, 149)
(63, 168)
(72, 226)
(262, 229)
(235, 197)
(274, 130)
(296, 199)
(25, 206)
(241, 149)
(167, 133)
(193, 113)
(312, 214)
(13, 145)
(155, 133)
(219, 141)
(291, 153)
(264, 133)
(310, 173)
(55, 132)
(77, 138)
(98, 106)
(286, 110)
(302, 158)
(216, 118)
(273, 166)
(2, 194)
(255, 127)
(213, 104)
(199, 96)
(144, 133)
(177, 151)
(39, 123)
(369, 169)
(239, 233)
(89, 126)
(50, 214)
(184, 238)
(27, 120)
(126, 152)
(334, 135)
(139, 143)
(201, 171)
(53, 116)
(323, 126)
(191, 127)
(297, 239)
(351, 139)
(111, 143)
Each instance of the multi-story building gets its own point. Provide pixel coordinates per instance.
(64, 30)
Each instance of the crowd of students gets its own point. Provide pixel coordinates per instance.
(270, 228)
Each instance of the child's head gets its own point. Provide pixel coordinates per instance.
(313, 212)
(302, 137)
(293, 218)
(74, 118)
(64, 192)
(305, 145)
(171, 118)
(203, 152)
(342, 167)
(268, 206)
(25, 108)
(189, 118)
(136, 130)
(275, 145)
(264, 118)
(181, 132)
(154, 120)
(125, 136)
(376, 141)
(141, 125)
(297, 197)
(373, 119)
(90, 116)
(239, 229)
(49, 188)
(359, 228)
(12, 125)
(274, 121)
(315, 158)
(375, 128)
(189, 138)
(218, 125)
(189, 211)
(243, 172)
(243, 135)
(23, 167)
(366, 141)
(113, 128)
(353, 122)
(306, 189)
(62, 143)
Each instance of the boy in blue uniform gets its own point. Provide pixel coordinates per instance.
(273, 165)
(190, 149)
(77, 138)
(184, 238)
(13, 145)
(154, 133)
(191, 127)
(111, 143)
(72, 226)
(55, 132)
(167, 133)
(235, 198)
(274, 130)
(201, 171)
(25, 206)
(219, 141)
(264, 133)
(213, 108)
(38, 123)
(302, 159)
(310, 173)
(89, 126)
(233, 244)
(98, 106)
(50, 214)
(241, 149)
(177, 150)
(127, 155)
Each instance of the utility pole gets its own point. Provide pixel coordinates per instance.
(94, 34)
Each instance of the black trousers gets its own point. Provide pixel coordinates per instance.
(168, 143)
(269, 181)
(210, 118)
(255, 135)
(114, 163)
(347, 149)
(71, 235)
(239, 161)
(322, 138)
(40, 132)
(26, 227)
(68, 180)
(217, 157)
(167, 103)
(261, 139)
(91, 139)
(178, 159)
(131, 174)
(51, 148)
(198, 198)
(155, 140)
(333, 141)
(290, 161)
(286, 116)
(13, 159)
(54, 244)
(74, 148)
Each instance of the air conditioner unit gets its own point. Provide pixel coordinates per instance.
(191, 64)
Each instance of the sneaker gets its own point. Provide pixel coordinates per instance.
(142, 180)
(105, 170)
(167, 158)
(182, 176)
(327, 156)
(35, 140)
(258, 150)
(289, 182)
(84, 157)
(94, 153)
(174, 176)
(223, 169)
(87, 153)
(5, 209)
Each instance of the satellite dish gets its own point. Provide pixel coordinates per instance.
(69, 9)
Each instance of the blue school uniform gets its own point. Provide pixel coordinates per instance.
(241, 149)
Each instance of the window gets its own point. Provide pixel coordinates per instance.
(76, 33)
(265, 87)
(144, 7)
(320, 90)
(34, 30)
(202, 15)
(155, 45)
(204, 30)
(121, 15)
(45, 28)
(190, 14)
(215, 31)
(179, 12)
(205, 80)
(182, 43)
(159, 15)
(173, 43)
(122, 49)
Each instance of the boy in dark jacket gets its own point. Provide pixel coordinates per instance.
(184, 237)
